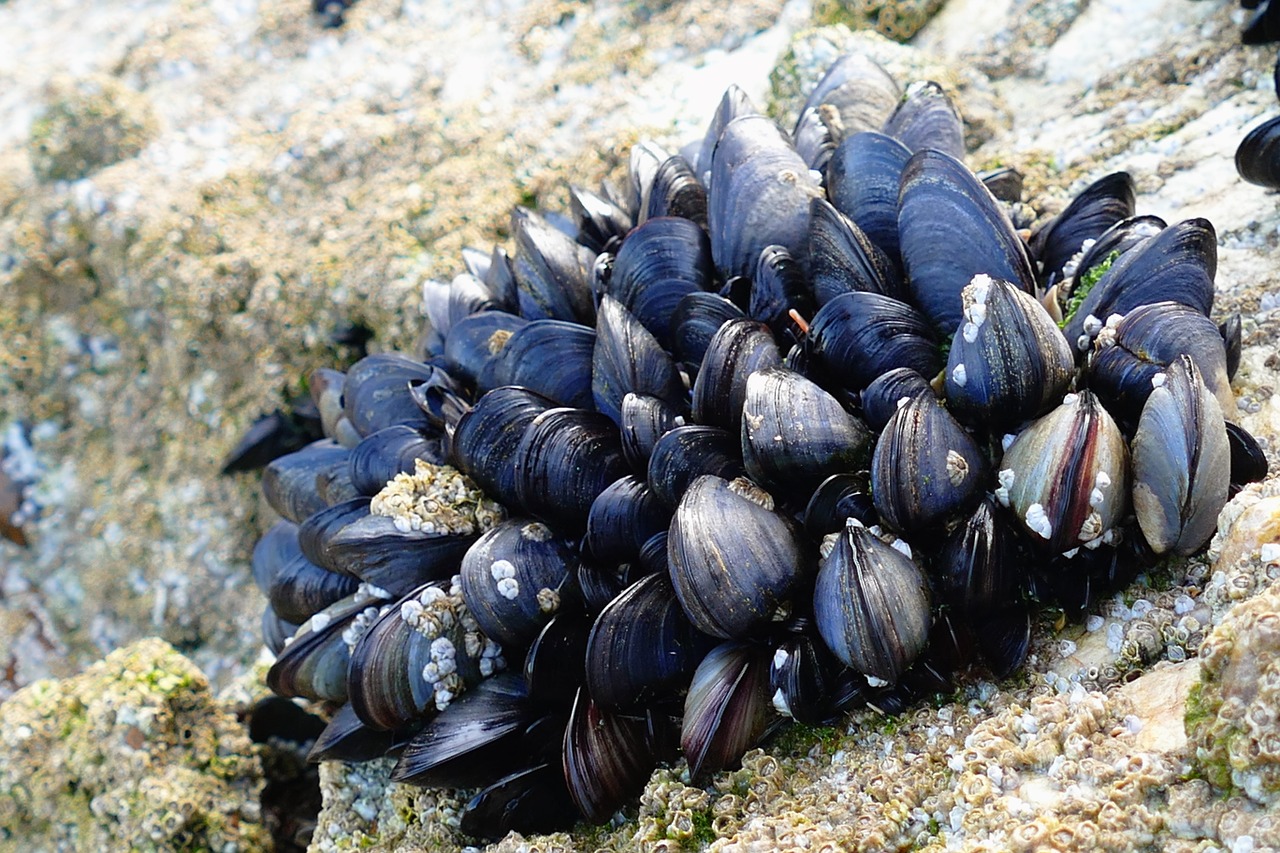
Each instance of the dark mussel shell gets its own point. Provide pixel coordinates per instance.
(276, 631)
(486, 438)
(554, 666)
(533, 799)
(1181, 462)
(292, 483)
(514, 578)
(863, 93)
(317, 531)
(759, 195)
(977, 568)
(607, 758)
(347, 738)
(686, 453)
(676, 191)
(737, 350)
(733, 560)
(1008, 360)
(301, 589)
(1131, 351)
(642, 646)
(552, 272)
(871, 605)
(376, 392)
(551, 357)
(1099, 206)
(733, 104)
(950, 229)
(565, 460)
(815, 138)
(858, 336)
(862, 182)
(727, 708)
(926, 118)
(476, 340)
(802, 675)
(447, 304)
(622, 519)
(1232, 332)
(1176, 265)
(480, 732)
(314, 663)
(273, 551)
(837, 499)
(779, 287)
(661, 262)
(1120, 238)
(629, 360)
(1248, 461)
(644, 420)
(597, 218)
(843, 259)
(794, 434)
(925, 468)
(1264, 26)
(391, 451)
(697, 318)
(375, 549)
(880, 398)
(272, 436)
(1258, 157)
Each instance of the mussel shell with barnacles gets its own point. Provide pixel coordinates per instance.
(644, 491)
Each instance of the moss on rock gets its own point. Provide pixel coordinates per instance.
(132, 754)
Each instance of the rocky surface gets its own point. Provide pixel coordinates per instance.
(268, 182)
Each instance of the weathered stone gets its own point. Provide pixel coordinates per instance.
(87, 124)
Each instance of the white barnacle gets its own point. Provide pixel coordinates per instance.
(1102, 480)
(780, 658)
(442, 649)
(1071, 399)
(535, 531)
(502, 569)
(828, 544)
(1158, 380)
(957, 467)
(1007, 440)
(509, 588)
(1092, 325)
(319, 621)
(901, 546)
(1091, 528)
(1097, 498)
(902, 401)
(548, 600)
(1006, 477)
(875, 682)
(1038, 521)
(402, 523)
(780, 703)
(958, 374)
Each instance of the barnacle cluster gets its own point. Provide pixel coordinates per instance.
(800, 423)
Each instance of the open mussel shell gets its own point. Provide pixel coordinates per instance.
(1099, 206)
(598, 219)
(815, 137)
(347, 738)
(314, 663)
(802, 675)
(1066, 475)
(514, 578)
(302, 588)
(862, 183)
(622, 518)
(1125, 235)
(644, 420)
(376, 392)
(858, 336)
(629, 360)
(1181, 462)
(607, 758)
(565, 460)
(759, 195)
(293, 483)
(925, 468)
(551, 357)
(552, 272)
(880, 399)
(480, 732)
(659, 263)
(1176, 265)
(738, 349)
(486, 438)
(727, 708)
(1132, 350)
(686, 453)
(382, 455)
(871, 604)
(1258, 157)
(677, 192)
(474, 342)
(697, 318)
(532, 799)
(860, 90)
(950, 228)
(843, 259)
(794, 434)
(1008, 360)
(733, 560)
(642, 646)
(926, 118)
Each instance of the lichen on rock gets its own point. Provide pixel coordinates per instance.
(132, 754)
(88, 123)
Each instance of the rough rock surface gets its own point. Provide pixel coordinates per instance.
(134, 753)
(280, 180)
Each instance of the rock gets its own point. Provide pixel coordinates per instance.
(1233, 714)
(86, 124)
(132, 754)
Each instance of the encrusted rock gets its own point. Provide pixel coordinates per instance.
(87, 124)
(133, 754)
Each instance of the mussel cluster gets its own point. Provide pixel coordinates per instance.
(1258, 156)
(331, 13)
(799, 423)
